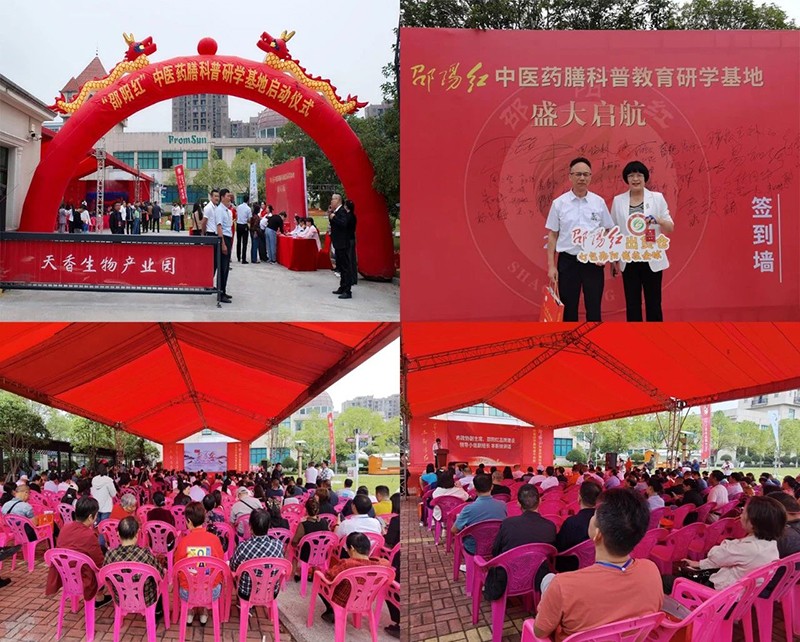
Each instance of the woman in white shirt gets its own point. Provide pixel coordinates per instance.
(311, 232)
(646, 276)
(446, 487)
(763, 520)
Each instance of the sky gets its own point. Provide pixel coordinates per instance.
(378, 376)
(347, 41)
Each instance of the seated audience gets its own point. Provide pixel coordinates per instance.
(384, 505)
(498, 487)
(653, 492)
(482, 509)
(362, 522)
(789, 541)
(125, 508)
(258, 546)
(159, 513)
(244, 505)
(446, 487)
(575, 528)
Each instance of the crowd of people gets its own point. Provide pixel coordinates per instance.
(121, 217)
(252, 502)
(613, 507)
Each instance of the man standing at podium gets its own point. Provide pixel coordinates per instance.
(436, 456)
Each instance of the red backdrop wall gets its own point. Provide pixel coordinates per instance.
(499, 115)
(238, 456)
(476, 443)
(286, 189)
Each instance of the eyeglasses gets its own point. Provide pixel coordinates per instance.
(581, 174)
(635, 175)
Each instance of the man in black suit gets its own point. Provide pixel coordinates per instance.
(115, 221)
(575, 529)
(351, 243)
(340, 223)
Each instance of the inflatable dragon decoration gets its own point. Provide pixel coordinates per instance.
(135, 58)
(278, 58)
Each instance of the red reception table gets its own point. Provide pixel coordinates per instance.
(297, 254)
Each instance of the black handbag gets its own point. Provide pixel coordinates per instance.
(496, 582)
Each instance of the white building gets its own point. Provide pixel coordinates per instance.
(758, 409)
(388, 407)
(21, 118)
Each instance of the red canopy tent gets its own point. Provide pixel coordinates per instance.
(166, 381)
(560, 375)
(569, 374)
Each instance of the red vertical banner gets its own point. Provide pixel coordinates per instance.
(705, 417)
(238, 456)
(332, 438)
(180, 178)
(286, 189)
(173, 457)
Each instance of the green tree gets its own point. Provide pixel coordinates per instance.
(732, 14)
(240, 171)
(214, 174)
(576, 456)
(21, 428)
(380, 137)
(87, 436)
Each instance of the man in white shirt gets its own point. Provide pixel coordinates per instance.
(517, 472)
(177, 217)
(197, 492)
(326, 473)
(550, 480)
(50, 484)
(718, 493)
(362, 522)
(577, 208)
(224, 230)
(734, 486)
(311, 475)
(243, 214)
(612, 480)
(653, 492)
(104, 491)
(538, 478)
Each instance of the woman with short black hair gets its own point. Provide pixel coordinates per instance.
(640, 212)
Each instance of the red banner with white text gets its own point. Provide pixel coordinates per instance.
(238, 456)
(173, 456)
(705, 419)
(499, 115)
(286, 190)
(180, 179)
(67, 261)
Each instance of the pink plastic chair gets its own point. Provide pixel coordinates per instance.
(16, 525)
(227, 537)
(676, 547)
(70, 565)
(66, 512)
(242, 525)
(387, 553)
(558, 520)
(157, 538)
(484, 534)
(655, 517)
(713, 535)
(126, 581)
(521, 565)
(201, 575)
(446, 504)
(297, 509)
(704, 510)
(650, 539)
(784, 593)
(294, 521)
(424, 501)
(707, 616)
(632, 630)
(108, 529)
(285, 536)
(264, 575)
(513, 510)
(584, 552)
(332, 520)
(368, 586)
(178, 512)
(680, 514)
(142, 511)
(321, 545)
(376, 542)
(449, 520)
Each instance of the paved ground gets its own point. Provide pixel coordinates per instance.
(261, 292)
(435, 609)
(27, 615)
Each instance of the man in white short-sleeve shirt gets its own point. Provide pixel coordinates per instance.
(577, 208)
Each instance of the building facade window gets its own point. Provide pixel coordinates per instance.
(125, 157)
(170, 159)
(196, 160)
(4, 166)
(257, 455)
(561, 446)
(206, 432)
(148, 160)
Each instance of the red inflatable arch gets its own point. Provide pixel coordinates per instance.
(150, 83)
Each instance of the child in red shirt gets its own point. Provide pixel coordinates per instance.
(197, 543)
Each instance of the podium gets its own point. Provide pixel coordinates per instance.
(441, 458)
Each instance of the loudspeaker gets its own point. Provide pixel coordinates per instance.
(611, 460)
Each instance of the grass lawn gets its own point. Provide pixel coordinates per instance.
(370, 481)
(781, 472)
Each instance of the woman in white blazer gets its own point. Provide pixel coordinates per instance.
(642, 276)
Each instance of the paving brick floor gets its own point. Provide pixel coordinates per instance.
(26, 614)
(436, 609)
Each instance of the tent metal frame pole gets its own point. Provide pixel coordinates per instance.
(404, 422)
(177, 355)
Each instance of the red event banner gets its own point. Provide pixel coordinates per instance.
(705, 418)
(286, 190)
(111, 264)
(173, 457)
(332, 439)
(491, 120)
(238, 456)
(180, 178)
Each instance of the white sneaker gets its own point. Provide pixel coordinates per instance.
(190, 618)
(203, 619)
(463, 568)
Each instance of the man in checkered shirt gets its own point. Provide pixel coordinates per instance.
(260, 545)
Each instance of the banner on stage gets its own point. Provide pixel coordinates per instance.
(705, 419)
(253, 196)
(209, 457)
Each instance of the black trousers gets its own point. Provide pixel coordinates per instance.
(343, 266)
(262, 245)
(638, 278)
(353, 261)
(574, 276)
(242, 234)
(225, 262)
